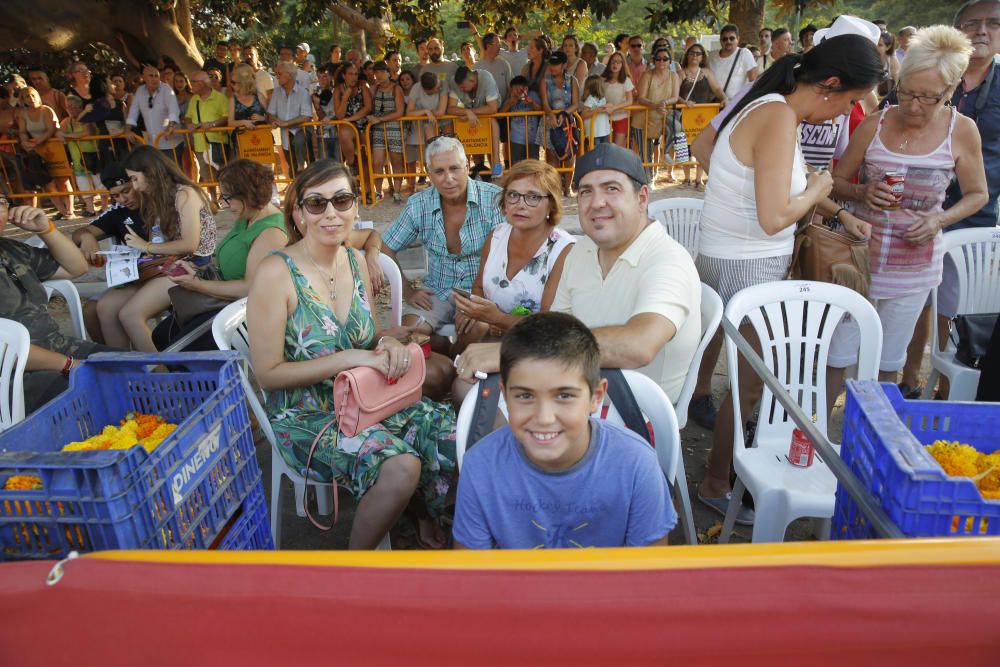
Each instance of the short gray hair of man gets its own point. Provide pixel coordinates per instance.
(443, 145)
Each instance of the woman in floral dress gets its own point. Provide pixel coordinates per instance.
(522, 259)
(309, 318)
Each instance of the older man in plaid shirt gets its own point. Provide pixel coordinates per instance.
(452, 219)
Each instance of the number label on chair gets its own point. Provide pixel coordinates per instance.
(803, 289)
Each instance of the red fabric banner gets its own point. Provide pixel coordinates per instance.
(156, 613)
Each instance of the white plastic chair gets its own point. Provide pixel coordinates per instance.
(682, 218)
(14, 343)
(657, 408)
(395, 280)
(711, 315)
(976, 254)
(794, 321)
(229, 329)
(68, 291)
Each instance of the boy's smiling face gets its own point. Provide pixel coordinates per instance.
(549, 406)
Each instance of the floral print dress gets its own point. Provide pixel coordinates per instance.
(425, 430)
(522, 294)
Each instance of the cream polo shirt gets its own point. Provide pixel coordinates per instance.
(654, 275)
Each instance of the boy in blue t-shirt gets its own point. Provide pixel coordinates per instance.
(555, 477)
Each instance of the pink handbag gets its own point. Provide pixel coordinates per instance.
(362, 397)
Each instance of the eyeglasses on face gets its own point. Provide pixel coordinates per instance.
(636, 45)
(529, 198)
(317, 205)
(929, 100)
(662, 59)
(730, 38)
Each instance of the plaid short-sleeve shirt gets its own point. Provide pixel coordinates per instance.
(423, 219)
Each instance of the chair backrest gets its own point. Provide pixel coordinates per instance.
(395, 280)
(682, 218)
(653, 403)
(711, 315)
(976, 253)
(68, 291)
(794, 321)
(14, 344)
(229, 328)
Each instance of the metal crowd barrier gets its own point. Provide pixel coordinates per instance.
(655, 155)
(56, 155)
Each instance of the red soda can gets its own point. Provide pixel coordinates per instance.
(801, 451)
(895, 180)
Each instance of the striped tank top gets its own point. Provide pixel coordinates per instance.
(899, 268)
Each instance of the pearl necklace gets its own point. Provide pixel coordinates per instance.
(331, 279)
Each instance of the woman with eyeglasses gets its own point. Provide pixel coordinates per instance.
(657, 91)
(698, 86)
(922, 145)
(259, 229)
(522, 260)
(310, 317)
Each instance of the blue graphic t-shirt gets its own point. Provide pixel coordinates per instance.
(615, 496)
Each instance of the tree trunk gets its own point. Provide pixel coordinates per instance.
(182, 16)
(748, 16)
(55, 25)
(361, 24)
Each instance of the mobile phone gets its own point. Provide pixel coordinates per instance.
(173, 270)
(465, 293)
(463, 24)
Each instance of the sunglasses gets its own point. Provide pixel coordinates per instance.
(727, 39)
(662, 59)
(636, 46)
(317, 205)
(226, 199)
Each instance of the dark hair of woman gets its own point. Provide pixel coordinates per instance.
(701, 49)
(320, 171)
(623, 73)
(250, 182)
(158, 203)
(852, 59)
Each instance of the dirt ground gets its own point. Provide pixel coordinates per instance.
(299, 534)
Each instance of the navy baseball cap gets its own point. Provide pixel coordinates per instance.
(610, 156)
(114, 175)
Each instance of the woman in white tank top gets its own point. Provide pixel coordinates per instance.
(758, 188)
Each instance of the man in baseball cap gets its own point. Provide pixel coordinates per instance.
(627, 280)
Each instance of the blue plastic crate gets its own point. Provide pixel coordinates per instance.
(883, 444)
(179, 496)
(251, 530)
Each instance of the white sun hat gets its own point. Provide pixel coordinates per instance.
(849, 25)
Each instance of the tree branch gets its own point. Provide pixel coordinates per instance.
(355, 18)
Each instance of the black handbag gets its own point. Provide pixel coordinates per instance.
(189, 304)
(971, 335)
(33, 172)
